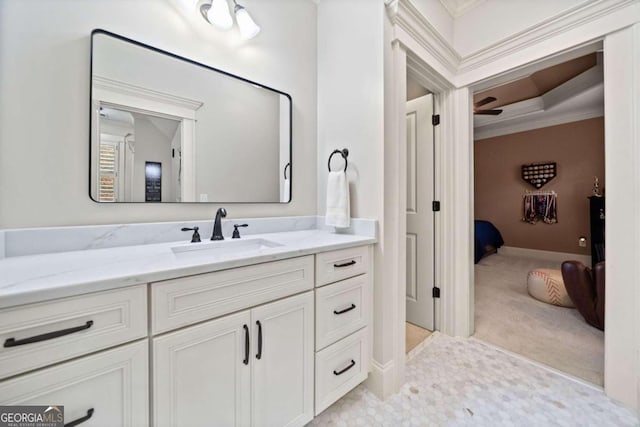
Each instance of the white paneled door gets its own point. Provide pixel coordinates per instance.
(420, 216)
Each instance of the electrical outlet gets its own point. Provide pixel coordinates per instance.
(582, 242)
(204, 198)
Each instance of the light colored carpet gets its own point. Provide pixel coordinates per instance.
(414, 336)
(508, 317)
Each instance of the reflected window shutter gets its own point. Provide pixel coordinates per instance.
(107, 168)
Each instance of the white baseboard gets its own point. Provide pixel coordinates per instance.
(546, 255)
(381, 379)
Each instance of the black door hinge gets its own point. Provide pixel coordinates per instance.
(435, 206)
(436, 292)
(435, 119)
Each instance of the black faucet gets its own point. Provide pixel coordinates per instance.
(236, 233)
(196, 236)
(217, 226)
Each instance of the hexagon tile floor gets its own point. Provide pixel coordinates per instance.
(463, 382)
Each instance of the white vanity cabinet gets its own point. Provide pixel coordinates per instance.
(200, 377)
(105, 389)
(343, 313)
(101, 388)
(250, 368)
(41, 334)
(264, 345)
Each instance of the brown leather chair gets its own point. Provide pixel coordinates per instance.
(586, 289)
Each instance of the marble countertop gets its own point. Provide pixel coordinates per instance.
(41, 277)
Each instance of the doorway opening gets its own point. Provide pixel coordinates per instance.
(539, 169)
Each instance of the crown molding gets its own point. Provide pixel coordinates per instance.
(460, 7)
(407, 17)
(128, 89)
(142, 99)
(533, 123)
(553, 26)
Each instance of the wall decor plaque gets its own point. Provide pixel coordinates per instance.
(539, 174)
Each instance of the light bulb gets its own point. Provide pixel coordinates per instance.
(248, 28)
(219, 15)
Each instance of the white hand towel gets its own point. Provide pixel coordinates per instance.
(338, 212)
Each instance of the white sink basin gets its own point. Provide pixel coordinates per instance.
(225, 247)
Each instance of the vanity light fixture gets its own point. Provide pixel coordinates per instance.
(248, 27)
(217, 13)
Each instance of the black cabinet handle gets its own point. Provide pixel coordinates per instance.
(246, 345)
(12, 342)
(345, 310)
(259, 355)
(346, 264)
(80, 420)
(351, 365)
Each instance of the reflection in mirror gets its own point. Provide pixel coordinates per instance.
(128, 142)
(165, 129)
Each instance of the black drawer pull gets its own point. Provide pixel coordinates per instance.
(353, 363)
(246, 345)
(345, 310)
(346, 264)
(259, 355)
(80, 420)
(12, 342)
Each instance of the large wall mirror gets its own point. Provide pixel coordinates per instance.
(167, 129)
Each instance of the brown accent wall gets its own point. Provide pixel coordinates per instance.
(577, 148)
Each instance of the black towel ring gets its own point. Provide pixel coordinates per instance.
(344, 153)
(288, 165)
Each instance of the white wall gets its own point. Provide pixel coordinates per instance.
(495, 20)
(237, 154)
(351, 71)
(351, 98)
(44, 108)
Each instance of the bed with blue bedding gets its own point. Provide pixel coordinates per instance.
(487, 239)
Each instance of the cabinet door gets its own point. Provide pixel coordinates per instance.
(107, 389)
(282, 363)
(199, 375)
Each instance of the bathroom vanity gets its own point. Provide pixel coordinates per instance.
(266, 330)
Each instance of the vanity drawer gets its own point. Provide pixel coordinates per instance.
(340, 367)
(180, 302)
(342, 264)
(107, 389)
(341, 308)
(37, 335)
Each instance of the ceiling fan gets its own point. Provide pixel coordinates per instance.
(485, 101)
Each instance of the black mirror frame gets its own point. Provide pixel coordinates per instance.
(190, 61)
